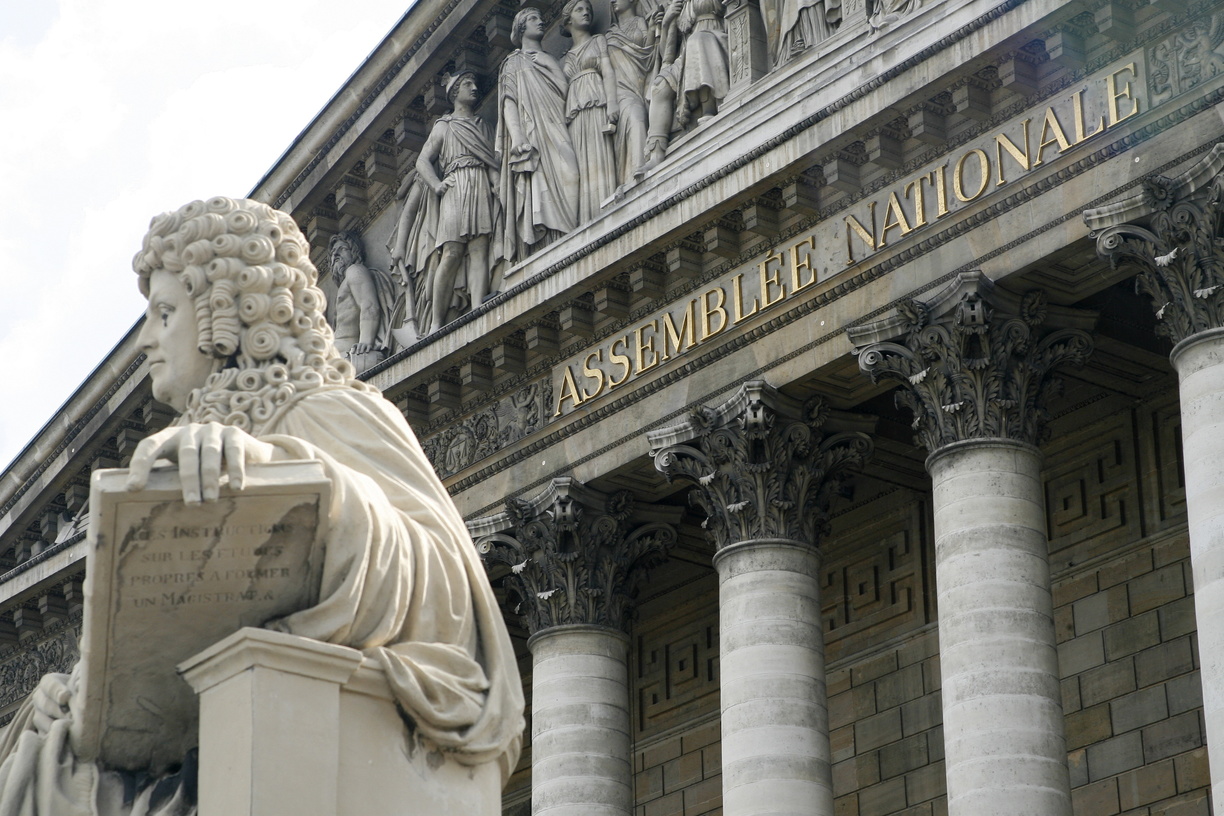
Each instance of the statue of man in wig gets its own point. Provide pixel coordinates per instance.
(237, 342)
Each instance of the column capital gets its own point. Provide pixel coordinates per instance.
(1170, 232)
(974, 362)
(576, 555)
(764, 465)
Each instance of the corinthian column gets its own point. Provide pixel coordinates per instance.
(576, 557)
(764, 467)
(975, 367)
(1179, 258)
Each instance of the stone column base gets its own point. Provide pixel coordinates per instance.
(293, 727)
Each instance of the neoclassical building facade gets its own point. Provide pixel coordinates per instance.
(832, 389)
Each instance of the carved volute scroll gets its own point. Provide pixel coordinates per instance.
(764, 465)
(1179, 255)
(976, 363)
(576, 555)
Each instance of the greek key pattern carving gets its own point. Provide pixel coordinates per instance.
(874, 583)
(1090, 487)
(484, 433)
(677, 671)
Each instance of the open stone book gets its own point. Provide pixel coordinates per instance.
(166, 580)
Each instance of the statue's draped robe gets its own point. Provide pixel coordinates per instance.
(401, 581)
(797, 24)
(538, 191)
(631, 49)
(586, 111)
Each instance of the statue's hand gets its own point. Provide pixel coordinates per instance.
(50, 700)
(200, 451)
(361, 348)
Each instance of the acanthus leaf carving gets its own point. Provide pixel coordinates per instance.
(982, 370)
(762, 465)
(1179, 255)
(575, 555)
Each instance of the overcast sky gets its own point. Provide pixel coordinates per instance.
(112, 111)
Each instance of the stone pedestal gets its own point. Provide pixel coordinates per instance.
(1002, 710)
(775, 721)
(580, 744)
(290, 726)
(1199, 361)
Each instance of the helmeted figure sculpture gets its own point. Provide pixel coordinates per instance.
(237, 342)
(448, 242)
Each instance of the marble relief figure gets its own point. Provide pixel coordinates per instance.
(693, 75)
(631, 45)
(365, 301)
(448, 241)
(539, 180)
(238, 344)
(591, 109)
(796, 25)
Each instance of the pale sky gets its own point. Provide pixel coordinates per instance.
(112, 111)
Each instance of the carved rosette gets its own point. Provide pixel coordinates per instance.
(1179, 256)
(764, 465)
(577, 556)
(979, 371)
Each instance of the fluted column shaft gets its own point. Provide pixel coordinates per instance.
(775, 722)
(1199, 361)
(580, 744)
(1004, 735)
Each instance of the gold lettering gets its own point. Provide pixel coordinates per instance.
(1004, 142)
(919, 200)
(940, 183)
(868, 238)
(1052, 127)
(958, 178)
(737, 286)
(707, 310)
(768, 280)
(806, 263)
(1114, 95)
(593, 374)
(1077, 100)
(569, 390)
(644, 345)
(894, 216)
(621, 360)
(683, 338)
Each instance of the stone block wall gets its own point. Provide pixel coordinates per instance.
(1131, 691)
(885, 729)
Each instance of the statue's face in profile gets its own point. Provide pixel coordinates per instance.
(170, 340)
(341, 259)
